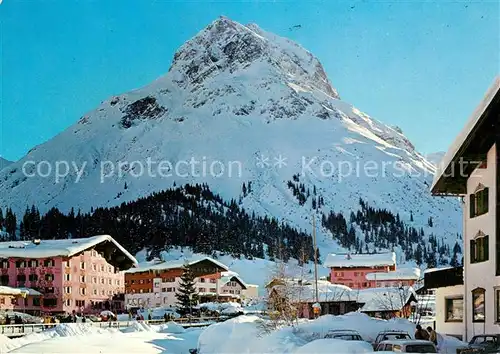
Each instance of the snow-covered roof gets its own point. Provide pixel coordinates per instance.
(430, 270)
(360, 260)
(327, 292)
(54, 248)
(399, 274)
(30, 292)
(385, 299)
(463, 136)
(232, 277)
(175, 264)
(7, 290)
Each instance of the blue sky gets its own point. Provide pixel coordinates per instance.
(421, 65)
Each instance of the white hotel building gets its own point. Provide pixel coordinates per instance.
(471, 170)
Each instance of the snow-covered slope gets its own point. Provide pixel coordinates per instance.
(4, 163)
(435, 157)
(236, 96)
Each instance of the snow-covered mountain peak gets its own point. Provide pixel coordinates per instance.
(228, 46)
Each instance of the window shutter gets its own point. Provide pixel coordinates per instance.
(485, 199)
(472, 251)
(472, 205)
(486, 248)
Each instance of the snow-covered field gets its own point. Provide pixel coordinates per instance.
(244, 334)
(84, 338)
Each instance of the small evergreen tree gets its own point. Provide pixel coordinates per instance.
(186, 294)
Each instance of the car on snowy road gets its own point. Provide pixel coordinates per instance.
(344, 334)
(406, 346)
(391, 335)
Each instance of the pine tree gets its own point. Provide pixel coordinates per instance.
(411, 216)
(186, 294)
(430, 222)
(1, 219)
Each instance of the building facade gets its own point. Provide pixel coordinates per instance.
(155, 284)
(471, 170)
(80, 275)
(363, 271)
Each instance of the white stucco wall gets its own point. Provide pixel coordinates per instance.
(443, 327)
(481, 274)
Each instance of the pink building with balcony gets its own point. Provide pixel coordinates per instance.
(362, 271)
(83, 275)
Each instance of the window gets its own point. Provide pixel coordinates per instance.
(141, 291)
(82, 278)
(170, 290)
(36, 301)
(68, 302)
(168, 280)
(102, 281)
(49, 290)
(82, 265)
(110, 281)
(20, 264)
(478, 305)
(4, 263)
(202, 280)
(339, 274)
(50, 302)
(479, 201)
(102, 268)
(80, 303)
(141, 281)
(497, 305)
(479, 248)
(83, 291)
(117, 281)
(21, 277)
(4, 279)
(33, 263)
(48, 263)
(202, 290)
(95, 291)
(94, 267)
(212, 281)
(110, 269)
(67, 277)
(213, 290)
(49, 277)
(33, 277)
(454, 308)
(66, 264)
(67, 290)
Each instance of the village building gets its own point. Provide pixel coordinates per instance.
(448, 284)
(154, 284)
(471, 170)
(387, 302)
(10, 297)
(363, 271)
(65, 276)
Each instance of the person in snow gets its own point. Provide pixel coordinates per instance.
(421, 333)
(432, 335)
(149, 317)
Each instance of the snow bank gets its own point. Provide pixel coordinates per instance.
(246, 334)
(367, 326)
(448, 344)
(170, 327)
(61, 330)
(329, 346)
(138, 327)
(236, 335)
(224, 308)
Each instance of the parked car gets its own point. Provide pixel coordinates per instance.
(391, 335)
(406, 346)
(344, 334)
(484, 343)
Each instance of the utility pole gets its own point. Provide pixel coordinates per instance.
(315, 259)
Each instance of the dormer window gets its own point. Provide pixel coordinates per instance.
(479, 201)
(479, 248)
